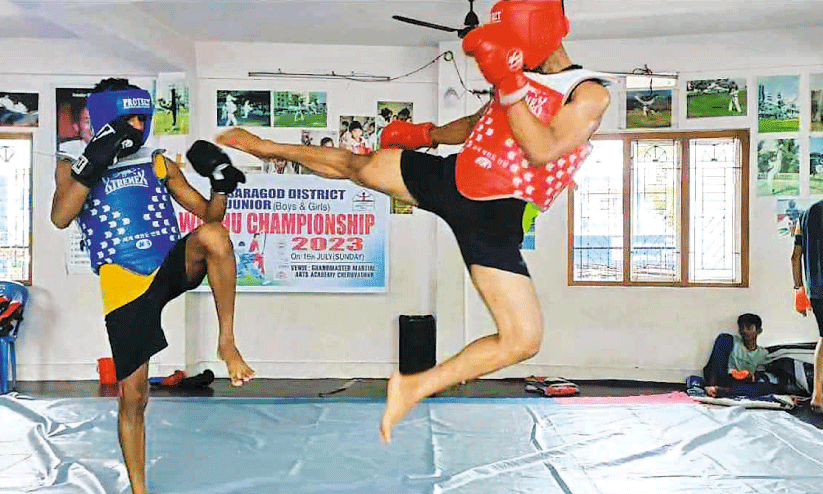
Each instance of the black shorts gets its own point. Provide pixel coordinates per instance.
(489, 233)
(817, 308)
(135, 331)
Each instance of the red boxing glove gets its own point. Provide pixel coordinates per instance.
(741, 375)
(400, 134)
(500, 61)
(801, 301)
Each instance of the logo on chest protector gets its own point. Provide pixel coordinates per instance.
(126, 179)
(143, 244)
(536, 104)
(483, 162)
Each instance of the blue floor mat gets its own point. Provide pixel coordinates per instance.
(465, 446)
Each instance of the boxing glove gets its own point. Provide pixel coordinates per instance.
(210, 161)
(741, 374)
(115, 140)
(801, 300)
(400, 134)
(499, 60)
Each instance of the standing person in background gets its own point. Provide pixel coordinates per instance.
(807, 257)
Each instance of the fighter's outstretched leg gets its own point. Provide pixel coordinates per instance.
(379, 171)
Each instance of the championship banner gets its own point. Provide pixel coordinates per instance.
(298, 233)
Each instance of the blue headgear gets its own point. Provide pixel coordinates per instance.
(108, 105)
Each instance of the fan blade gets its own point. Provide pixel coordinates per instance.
(463, 32)
(425, 24)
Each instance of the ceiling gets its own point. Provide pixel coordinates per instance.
(369, 22)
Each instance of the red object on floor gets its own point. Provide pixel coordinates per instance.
(673, 397)
(105, 368)
(174, 379)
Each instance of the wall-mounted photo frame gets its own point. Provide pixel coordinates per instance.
(299, 109)
(716, 98)
(778, 105)
(19, 109)
(778, 167)
(243, 108)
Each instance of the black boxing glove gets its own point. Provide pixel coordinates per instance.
(210, 161)
(115, 140)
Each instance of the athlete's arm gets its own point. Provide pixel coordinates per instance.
(797, 257)
(69, 195)
(456, 131)
(573, 125)
(211, 210)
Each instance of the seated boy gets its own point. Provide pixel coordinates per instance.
(736, 364)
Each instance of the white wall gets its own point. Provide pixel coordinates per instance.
(633, 332)
(323, 335)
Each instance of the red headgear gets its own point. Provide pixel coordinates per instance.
(538, 25)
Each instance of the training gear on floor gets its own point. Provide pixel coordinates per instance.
(551, 386)
(210, 161)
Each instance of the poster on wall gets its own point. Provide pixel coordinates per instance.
(778, 167)
(279, 166)
(392, 110)
(358, 134)
(304, 234)
(788, 213)
(816, 165)
(299, 109)
(171, 103)
(73, 133)
(777, 104)
(76, 255)
(388, 111)
(648, 109)
(73, 122)
(243, 108)
(816, 86)
(529, 239)
(19, 109)
(716, 98)
(325, 138)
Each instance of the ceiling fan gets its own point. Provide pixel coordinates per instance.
(469, 23)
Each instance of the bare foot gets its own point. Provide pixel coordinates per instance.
(239, 371)
(400, 399)
(237, 138)
(816, 404)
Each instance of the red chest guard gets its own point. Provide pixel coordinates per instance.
(492, 165)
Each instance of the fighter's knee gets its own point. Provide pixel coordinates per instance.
(358, 167)
(366, 169)
(527, 349)
(133, 399)
(215, 238)
(522, 347)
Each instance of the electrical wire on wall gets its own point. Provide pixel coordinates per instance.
(447, 55)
